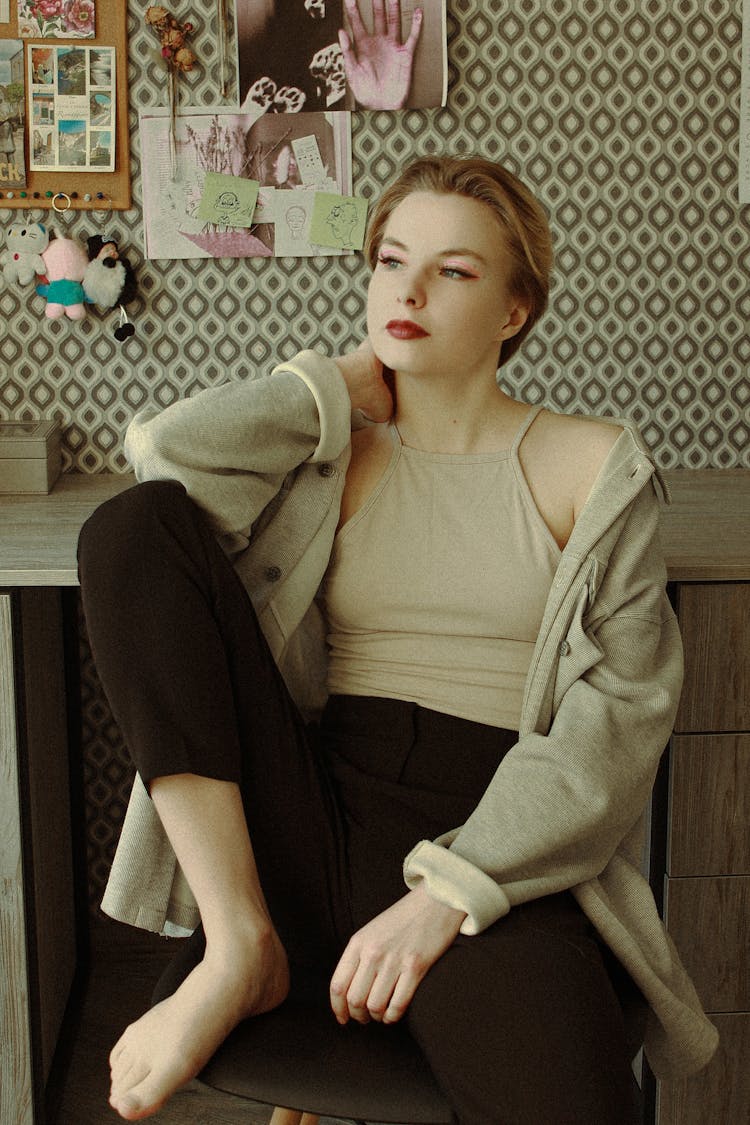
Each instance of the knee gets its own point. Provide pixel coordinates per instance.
(122, 525)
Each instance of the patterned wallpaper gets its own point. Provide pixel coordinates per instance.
(622, 114)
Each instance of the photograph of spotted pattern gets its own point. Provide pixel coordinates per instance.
(308, 55)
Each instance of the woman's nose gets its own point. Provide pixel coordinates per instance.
(412, 292)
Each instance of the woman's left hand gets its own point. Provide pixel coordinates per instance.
(385, 961)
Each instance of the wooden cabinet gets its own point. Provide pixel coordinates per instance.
(707, 891)
(37, 906)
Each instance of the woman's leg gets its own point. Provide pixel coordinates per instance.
(521, 1024)
(214, 734)
(244, 969)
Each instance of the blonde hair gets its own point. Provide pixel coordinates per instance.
(518, 211)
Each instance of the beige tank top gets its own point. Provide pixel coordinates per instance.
(437, 585)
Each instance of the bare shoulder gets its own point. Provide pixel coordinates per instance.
(562, 455)
(371, 451)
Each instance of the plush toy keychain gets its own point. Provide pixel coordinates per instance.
(74, 276)
(21, 261)
(110, 280)
(65, 263)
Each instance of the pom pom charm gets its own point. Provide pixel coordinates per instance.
(110, 281)
(125, 329)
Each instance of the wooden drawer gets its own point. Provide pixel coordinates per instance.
(715, 624)
(720, 1094)
(708, 920)
(710, 803)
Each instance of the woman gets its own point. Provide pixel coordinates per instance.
(496, 664)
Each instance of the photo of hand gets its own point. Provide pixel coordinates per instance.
(362, 54)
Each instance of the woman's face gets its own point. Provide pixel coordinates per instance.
(439, 299)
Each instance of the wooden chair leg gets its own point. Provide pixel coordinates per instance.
(285, 1117)
(292, 1117)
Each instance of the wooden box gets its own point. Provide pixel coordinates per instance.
(29, 455)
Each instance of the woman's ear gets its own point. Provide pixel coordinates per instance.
(517, 315)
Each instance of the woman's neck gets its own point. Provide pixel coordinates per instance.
(455, 418)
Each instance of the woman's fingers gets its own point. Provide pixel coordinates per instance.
(363, 989)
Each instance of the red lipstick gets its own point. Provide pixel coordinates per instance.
(405, 330)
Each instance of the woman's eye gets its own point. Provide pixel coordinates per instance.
(389, 261)
(455, 272)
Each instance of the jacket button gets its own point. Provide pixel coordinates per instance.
(273, 573)
(564, 649)
(326, 470)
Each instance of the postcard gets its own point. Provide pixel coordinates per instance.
(290, 55)
(51, 19)
(211, 142)
(12, 114)
(72, 122)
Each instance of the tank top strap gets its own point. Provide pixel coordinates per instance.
(526, 423)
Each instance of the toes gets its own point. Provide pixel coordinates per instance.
(127, 1077)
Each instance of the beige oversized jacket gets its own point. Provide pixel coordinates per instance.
(266, 459)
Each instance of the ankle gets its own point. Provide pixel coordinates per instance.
(239, 938)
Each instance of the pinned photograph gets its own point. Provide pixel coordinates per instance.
(362, 54)
(75, 19)
(12, 114)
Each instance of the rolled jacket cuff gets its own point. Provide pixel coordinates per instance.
(454, 881)
(326, 383)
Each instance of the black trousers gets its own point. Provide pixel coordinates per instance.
(521, 1024)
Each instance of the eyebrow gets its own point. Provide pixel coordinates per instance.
(459, 251)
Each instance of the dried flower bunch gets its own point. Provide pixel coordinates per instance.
(173, 38)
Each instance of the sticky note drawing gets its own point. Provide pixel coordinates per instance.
(342, 220)
(338, 221)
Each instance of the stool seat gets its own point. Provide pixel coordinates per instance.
(299, 1056)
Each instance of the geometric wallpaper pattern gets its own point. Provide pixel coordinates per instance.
(622, 115)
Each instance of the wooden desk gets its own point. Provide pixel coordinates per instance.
(38, 931)
(706, 537)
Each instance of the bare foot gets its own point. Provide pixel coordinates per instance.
(172, 1042)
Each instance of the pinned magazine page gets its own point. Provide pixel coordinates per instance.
(72, 125)
(212, 142)
(12, 114)
(305, 55)
(51, 19)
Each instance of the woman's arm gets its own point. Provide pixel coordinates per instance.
(233, 446)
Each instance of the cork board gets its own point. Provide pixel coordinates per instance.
(114, 187)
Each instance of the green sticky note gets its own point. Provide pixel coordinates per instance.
(228, 201)
(338, 221)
